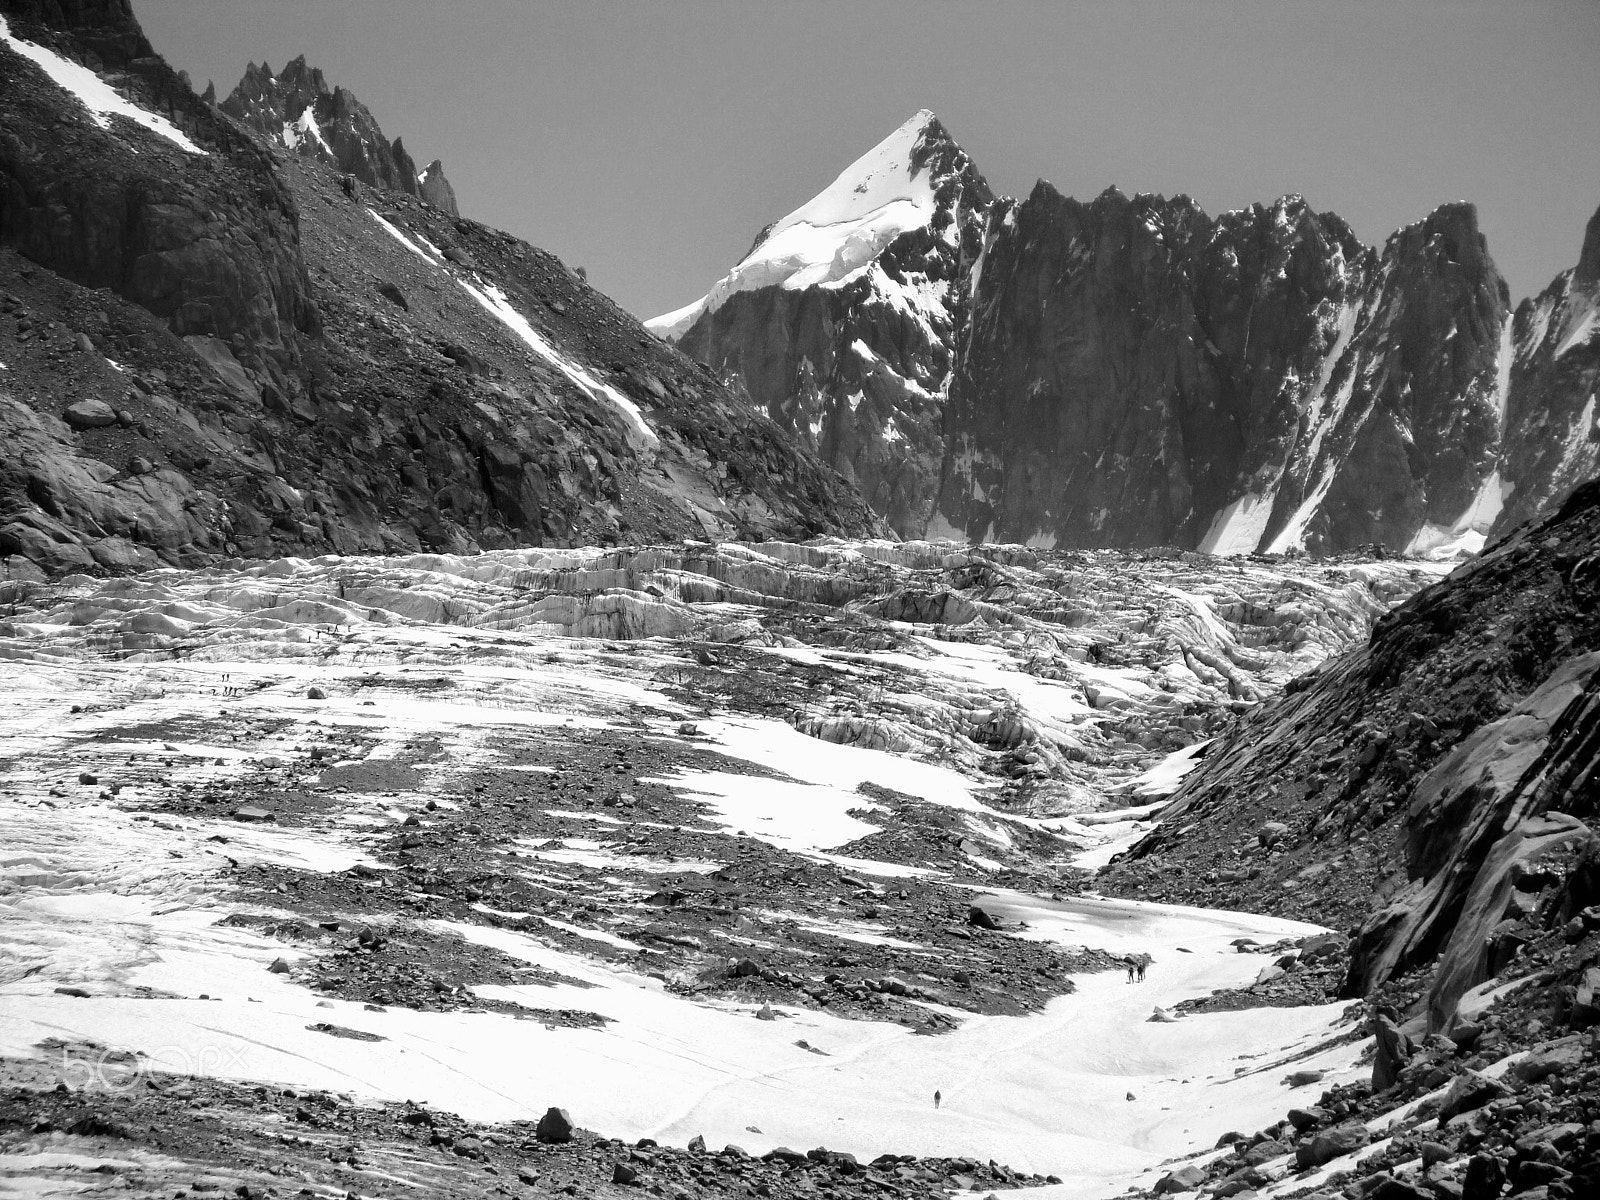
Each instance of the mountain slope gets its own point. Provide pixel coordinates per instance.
(215, 345)
(841, 321)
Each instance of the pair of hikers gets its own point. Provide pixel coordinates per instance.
(1136, 966)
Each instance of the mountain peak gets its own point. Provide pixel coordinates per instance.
(1588, 272)
(899, 185)
(298, 109)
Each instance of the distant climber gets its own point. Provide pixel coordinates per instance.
(936, 1097)
(1143, 961)
(1132, 966)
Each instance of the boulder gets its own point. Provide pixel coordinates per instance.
(1264, 1152)
(1393, 1052)
(554, 1126)
(1434, 1153)
(1586, 1001)
(976, 915)
(1391, 1188)
(1330, 1144)
(1272, 833)
(90, 414)
(1552, 1058)
(1468, 1091)
(1323, 945)
(1485, 1178)
(1307, 1118)
(1184, 1179)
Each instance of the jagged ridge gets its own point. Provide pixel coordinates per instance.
(1128, 372)
(298, 109)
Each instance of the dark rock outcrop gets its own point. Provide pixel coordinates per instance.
(1476, 828)
(206, 241)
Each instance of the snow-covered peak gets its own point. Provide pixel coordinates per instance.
(881, 179)
(886, 192)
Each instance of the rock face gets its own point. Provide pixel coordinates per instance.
(299, 363)
(204, 240)
(842, 320)
(1131, 371)
(1552, 440)
(435, 189)
(1137, 372)
(1476, 829)
(296, 108)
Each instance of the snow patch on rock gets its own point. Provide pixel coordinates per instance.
(102, 101)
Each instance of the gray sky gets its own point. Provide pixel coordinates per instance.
(649, 142)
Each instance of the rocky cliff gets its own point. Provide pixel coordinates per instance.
(298, 109)
(1552, 438)
(215, 345)
(1132, 371)
(1136, 372)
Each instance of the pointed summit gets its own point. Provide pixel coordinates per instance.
(901, 184)
(297, 109)
(841, 321)
(1588, 272)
